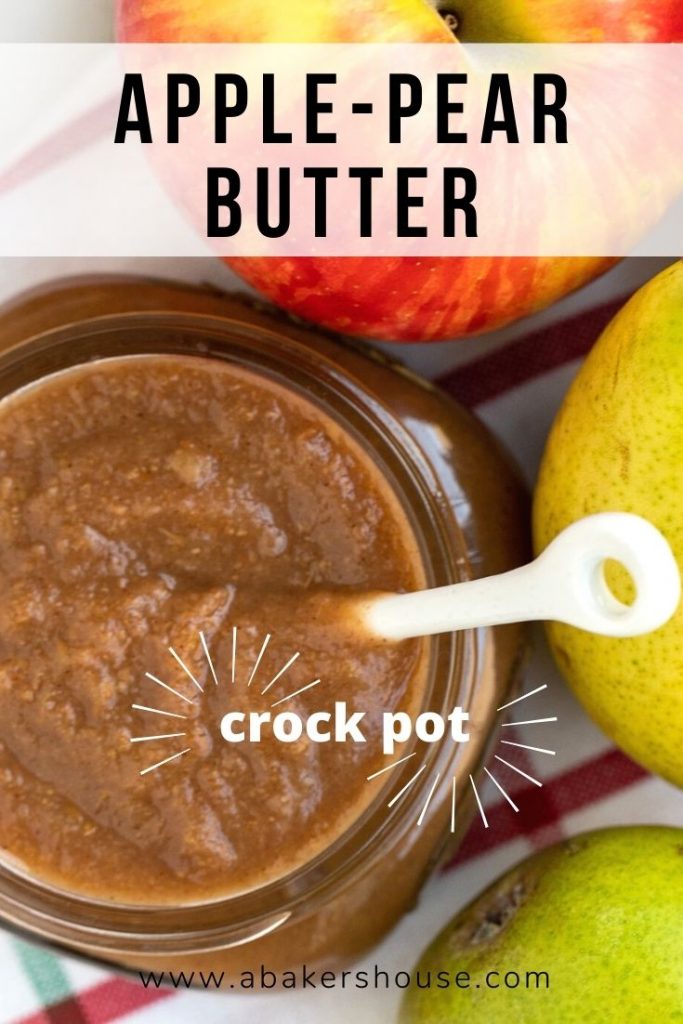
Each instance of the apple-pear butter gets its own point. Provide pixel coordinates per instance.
(162, 502)
(264, 473)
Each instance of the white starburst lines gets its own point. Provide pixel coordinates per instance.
(409, 783)
(487, 772)
(524, 746)
(213, 676)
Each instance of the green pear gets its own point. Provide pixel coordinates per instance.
(589, 931)
(617, 445)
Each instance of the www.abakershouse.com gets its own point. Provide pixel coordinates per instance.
(376, 978)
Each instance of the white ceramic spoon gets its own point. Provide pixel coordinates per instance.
(566, 583)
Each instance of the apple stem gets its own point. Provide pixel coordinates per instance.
(451, 20)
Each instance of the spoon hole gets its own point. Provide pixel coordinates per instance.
(614, 587)
(619, 582)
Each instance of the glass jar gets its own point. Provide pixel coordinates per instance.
(468, 510)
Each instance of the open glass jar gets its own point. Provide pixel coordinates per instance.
(467, 509)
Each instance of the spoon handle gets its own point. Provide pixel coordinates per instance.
(566, 583)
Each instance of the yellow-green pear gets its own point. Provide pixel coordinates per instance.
(585, 932)
(617, 445)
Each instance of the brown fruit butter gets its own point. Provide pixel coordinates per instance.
(193, 493)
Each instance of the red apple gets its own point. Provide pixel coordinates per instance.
(406, 298)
